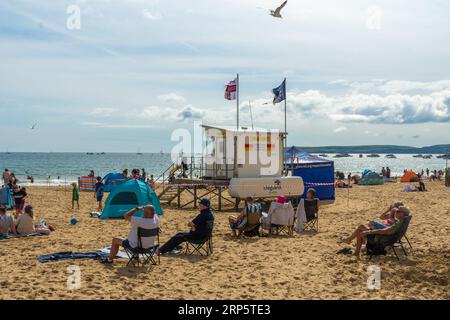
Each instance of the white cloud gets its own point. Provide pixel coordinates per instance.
(103, 112)
(189, 112)
(340, 129)
(171, 98)
(394, 86)
(373, 108)
(115, 126)
(156, 15)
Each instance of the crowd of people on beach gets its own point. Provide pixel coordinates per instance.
(22, 222)
(99, 187)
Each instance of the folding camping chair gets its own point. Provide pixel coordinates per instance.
(140, 256)
(312, 223)
(281, 229)
(201, 246)
(252, 224)
(396, 241)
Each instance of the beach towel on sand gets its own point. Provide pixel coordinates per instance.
(69, 255)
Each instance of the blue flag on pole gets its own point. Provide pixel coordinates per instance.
(279, 92)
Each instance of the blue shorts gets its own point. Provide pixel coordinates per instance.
(126, 244)
(235, 225)
(377, 225)
(99, 198)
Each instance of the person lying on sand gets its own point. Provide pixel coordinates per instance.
(149, 220)
(382, 236)
(199, 229)
(6, 223)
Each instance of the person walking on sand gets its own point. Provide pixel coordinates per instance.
(75, 196)
(99, 190)
(6, 176)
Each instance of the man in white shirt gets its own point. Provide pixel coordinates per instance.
(149, 220)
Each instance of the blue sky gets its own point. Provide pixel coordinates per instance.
(358, 72)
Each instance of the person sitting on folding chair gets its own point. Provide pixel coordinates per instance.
(308, 212)
(199, 229)
(280, 216)
(237, 223)
(149, 220)
(380, 236)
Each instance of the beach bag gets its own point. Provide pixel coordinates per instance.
(252, 233)
(374, 248)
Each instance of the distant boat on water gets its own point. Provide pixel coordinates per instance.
(443, 156)
(428, 156)
(343, 155)
(89, 153)
(418, 156)
(139, 151)
(323, 155)
(391, 156)
(373, 155)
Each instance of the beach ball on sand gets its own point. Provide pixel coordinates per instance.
(73, 221)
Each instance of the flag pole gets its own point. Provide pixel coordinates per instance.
(237, 101)
(285, 117)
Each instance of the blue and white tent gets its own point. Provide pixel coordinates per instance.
(127, 195)
(111, 179)
(316, 172)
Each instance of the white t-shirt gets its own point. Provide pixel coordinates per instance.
(146, 223)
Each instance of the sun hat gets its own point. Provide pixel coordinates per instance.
(281, 199)
(404, 209)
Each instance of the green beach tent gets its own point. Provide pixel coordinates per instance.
(371, 178)
(127, 195)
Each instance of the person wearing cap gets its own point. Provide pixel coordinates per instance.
(198, 228)
(381, 236)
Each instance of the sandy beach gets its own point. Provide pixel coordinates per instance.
(300, 267)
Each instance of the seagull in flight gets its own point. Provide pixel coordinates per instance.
(33, 126)
(276, 13)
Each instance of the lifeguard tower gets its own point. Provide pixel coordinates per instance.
(243, 161)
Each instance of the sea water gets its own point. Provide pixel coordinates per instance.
(64, 168)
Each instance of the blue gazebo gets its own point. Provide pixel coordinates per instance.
(316, 172)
